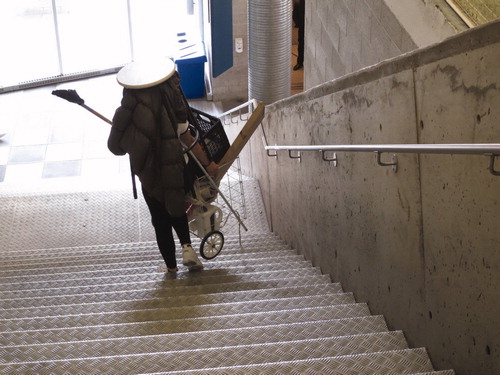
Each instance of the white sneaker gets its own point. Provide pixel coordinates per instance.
(163, 269)
(190, 259)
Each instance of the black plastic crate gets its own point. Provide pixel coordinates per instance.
(212, 135)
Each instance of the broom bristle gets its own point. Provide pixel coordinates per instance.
(70, 95)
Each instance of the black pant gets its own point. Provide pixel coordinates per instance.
(299, 20)
(163, 224)
(300, 51)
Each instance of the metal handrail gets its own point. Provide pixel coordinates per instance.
(249, 105)
(488, 149)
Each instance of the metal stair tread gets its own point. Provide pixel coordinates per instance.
(177, 312)
(73, 279)
(154, 293)
(189, 300)
(194, 280)
(342, 305)
(247, 239)
(206, 339)
(212, 266)
(184, 325)
(74, 255)
(152, 265)
(391, 363)
(397, 361)
(237, 354)
(156, 259)
(92, 260)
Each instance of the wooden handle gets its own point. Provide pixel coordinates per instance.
(241, 140)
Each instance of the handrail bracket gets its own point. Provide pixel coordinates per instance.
(297, 155)
(274, 155)
(333, 159)
(492, 165)
(393, 163)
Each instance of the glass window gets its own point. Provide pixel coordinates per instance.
(94, 34)
(27, 41)
(88, 35)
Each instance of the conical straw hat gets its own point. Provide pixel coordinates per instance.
(142, 74)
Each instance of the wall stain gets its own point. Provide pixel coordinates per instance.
(454, 75)
(404, 205)
(396, 84)
(338, 110)
(353, 100)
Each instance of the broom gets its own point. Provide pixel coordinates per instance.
(73, 97)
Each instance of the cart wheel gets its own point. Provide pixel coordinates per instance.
(211, 245)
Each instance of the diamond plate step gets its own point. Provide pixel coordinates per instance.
(340, 302)
(194, 279)
(103, 296)
(144, 274)
(151, 266)
(190, 300)
(203, 340)
(73, 255)
(410, 361)
(41, 336)
(231, 242)
(91, 260)
(227, 356)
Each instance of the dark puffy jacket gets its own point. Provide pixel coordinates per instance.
(145, 127)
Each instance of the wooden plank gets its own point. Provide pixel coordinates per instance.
(241, 140)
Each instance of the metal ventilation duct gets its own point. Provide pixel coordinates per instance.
(270, 46)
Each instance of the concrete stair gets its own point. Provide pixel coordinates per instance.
(255, 309)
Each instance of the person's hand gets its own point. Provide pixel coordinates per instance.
(212, 169)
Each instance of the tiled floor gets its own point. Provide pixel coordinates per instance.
(47, 137)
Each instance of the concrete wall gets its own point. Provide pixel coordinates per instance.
(344, 36)
(422, 245)
(233, 84)
(426, 21)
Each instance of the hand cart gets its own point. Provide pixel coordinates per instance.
(205, 218)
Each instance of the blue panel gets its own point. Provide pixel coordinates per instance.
(222, 36)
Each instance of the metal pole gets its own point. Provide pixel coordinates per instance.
(130, 34)
(58, 39)
(270, 46)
